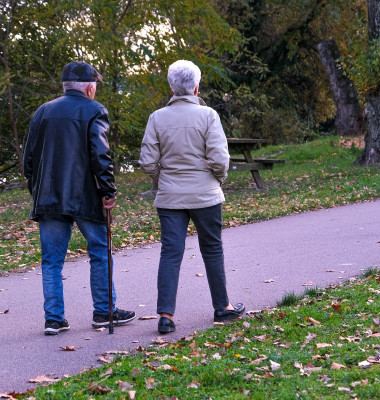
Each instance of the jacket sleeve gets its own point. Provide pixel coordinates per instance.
(217, 147)
(100, 158)
(150, 151)
(28, 151)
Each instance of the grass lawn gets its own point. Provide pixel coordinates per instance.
(324, 346)
(316, 175)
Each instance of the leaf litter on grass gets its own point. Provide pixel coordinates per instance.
(278, 352)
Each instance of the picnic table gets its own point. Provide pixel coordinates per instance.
(247, 162)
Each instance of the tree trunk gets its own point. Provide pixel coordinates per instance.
(348, 120)
(371, 152)
(11, 112)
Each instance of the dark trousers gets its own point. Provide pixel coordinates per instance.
(174, 223)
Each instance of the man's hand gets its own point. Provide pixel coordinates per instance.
(109, 202)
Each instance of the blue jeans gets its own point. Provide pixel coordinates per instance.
(55, 233)
(174, 223)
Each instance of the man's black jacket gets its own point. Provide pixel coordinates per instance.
(67, 160)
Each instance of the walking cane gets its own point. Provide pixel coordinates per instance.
(109, 248)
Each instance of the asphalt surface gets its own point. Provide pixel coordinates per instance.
(314, 248)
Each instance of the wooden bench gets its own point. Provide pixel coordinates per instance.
(248, 163)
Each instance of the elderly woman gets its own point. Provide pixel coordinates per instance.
(185, 152)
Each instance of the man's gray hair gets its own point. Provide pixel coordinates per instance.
(183, 76)
(82, 86)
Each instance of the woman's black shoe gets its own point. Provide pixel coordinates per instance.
(229, 315)
(166, 325)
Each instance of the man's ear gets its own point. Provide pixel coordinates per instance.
(196, 90)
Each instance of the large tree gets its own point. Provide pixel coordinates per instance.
(369, 65)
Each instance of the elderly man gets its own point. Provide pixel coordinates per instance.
(185, 151)
(69, 172)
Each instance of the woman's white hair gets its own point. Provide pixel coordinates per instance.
(183, 76)
(82, 86)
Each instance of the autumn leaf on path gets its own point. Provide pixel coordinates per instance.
(68, 348)
(199, 274)
(310, 283)
(7, 396)
(43, 379)
(269, 281)
(4, 312)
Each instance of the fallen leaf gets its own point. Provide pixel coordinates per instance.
(4, 312)
(124, 385)
(96, 388)
(310, 283)
(99, 329)
(148, 317)
(132, 394)
(269, 281)
(246, 324)
(260, 338)
(344, 389)
(274, 366)
(217, 356)
(150, 384)
(198, 274)
(67, 348)
(323, 345)
(135, 371)
(313, 321)
(107, 359)
(250, 312)
(336, 307)
(106, 373)
(337, 366)
(43, 379)
(193, 385)
(364, 364)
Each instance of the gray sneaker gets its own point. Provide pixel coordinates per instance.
(120, 317)
(54, 327)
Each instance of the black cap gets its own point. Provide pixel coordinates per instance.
(80, 71)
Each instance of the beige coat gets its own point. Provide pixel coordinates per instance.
(185, 149)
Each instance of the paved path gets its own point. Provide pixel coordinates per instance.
(291, 250)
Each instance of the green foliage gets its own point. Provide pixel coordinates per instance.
(130, 43)
(363, 64)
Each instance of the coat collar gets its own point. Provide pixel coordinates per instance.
(187, 99)
(74, 92)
